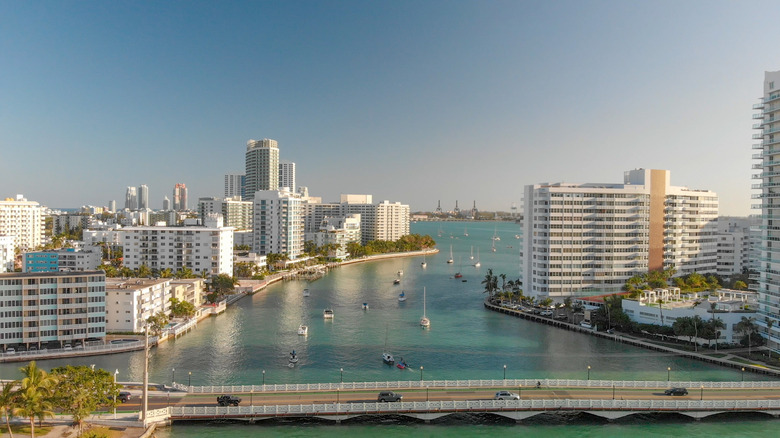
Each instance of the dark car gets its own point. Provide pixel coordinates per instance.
(676, 391)
(124, 396)
(228, 400)
(389, 396)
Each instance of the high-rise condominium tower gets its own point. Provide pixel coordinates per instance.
(768, 286)
(234, 185)
(143, 197)
(131, 199)
(180, 197)
(262, 166)
(166, 203)
(287, 174)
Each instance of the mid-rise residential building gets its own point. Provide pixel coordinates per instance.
(383, 221)
(278, 223)
(166, 205)
(131, 199)
(735, 245)
(206, 248)
(235, 184)
(102, 233)
(262, 167)
(338, 232)
(768, 195)
(7, 254)
(22, 220)
(69, 222)
(130, 302)
(112, 206)
(180, 197)
(287, 174)
(588, 239)
(143, 197)
(66, 259)
(235, 212)
(52, 309)
(191, 290)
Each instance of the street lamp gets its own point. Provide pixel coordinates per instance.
(426, 394)
(263, 380)
(338, 395)
(668, 373)
(588, 372)
(115, 373)
(743, 374)
(613, 391)
(504, 372)
(342, 374)
(421, 373)
(173, 376)
(189, 378)
(701, 396)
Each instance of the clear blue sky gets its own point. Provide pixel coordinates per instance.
(411, 101)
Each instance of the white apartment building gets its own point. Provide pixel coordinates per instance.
(130, 302)
(383, 221)
(588, 239)
(287, 174)
(102, 233)
(143, 196)
(207, 248)
(22, 220)
(131, 198)
(7, 254)
(338, 231)
(735, 245)
(262, 167)
(234, 185)
(768, 194)
(51, 308)
(278, 223)
(235, 212)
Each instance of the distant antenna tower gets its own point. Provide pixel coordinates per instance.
(457, 210)
(474, 211)
(438, 208)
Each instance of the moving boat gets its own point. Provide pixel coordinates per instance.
(293, 358)
(450, 260)
(365, 306)
(401, 364)
(327, 313)
(400, 273)
(402, 296)
(424, 321)
(397, 281)
(387, 357)
(306, 292)
(424, 264)
(303, 330)
(458, 274)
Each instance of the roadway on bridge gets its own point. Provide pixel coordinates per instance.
(161, 400)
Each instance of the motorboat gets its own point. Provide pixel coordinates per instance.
(303, 330)
(397, 281)
(306, 292)
(400, 273)
(458, 275)
(424, 321)
(424, 264)
(293, 358)
(402, 296)
(327, 313)
(365, 306)
(401, 364)
(388, 358)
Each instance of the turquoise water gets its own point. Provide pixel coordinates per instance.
(465, 341)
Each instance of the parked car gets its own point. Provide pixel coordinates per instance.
(676, 391)
(124, 396)
(546, 313)
(506, 395)
(67, 347)
(228, 400)
(10, 350)
(389, 396)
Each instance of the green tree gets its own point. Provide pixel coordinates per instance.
(182, 309)
(8, 399)
(35, 391)
(166, 273)
(157, 323)
(81, 390)
(184, 273)
(144, 271)
(221, 285)
(740, 285)
(490, 282)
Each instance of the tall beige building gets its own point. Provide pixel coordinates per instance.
(23, 221)
(262, 167)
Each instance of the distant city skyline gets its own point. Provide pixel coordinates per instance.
(409, 101)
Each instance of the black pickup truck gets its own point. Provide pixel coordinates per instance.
(228, 400)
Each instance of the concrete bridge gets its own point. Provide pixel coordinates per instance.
(517, 410)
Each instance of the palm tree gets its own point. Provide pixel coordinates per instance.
(489, 281)
(503, 281)
(8, 398)
(35, 389)
(661, 308)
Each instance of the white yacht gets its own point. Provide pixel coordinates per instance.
(303, 330)
(327, 313)
(306, 292)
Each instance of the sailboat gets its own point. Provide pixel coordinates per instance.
(466, 231)
(472, 253)
(450, 260)
(478, 264)
(493, 248)
(424, 321)
(495, 236)
(387, 357)
(424, 264)
(402, 297)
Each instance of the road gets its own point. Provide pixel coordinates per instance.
(161, 400)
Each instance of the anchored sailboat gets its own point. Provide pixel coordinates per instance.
(478, 264)
(450, 260)
(424, 321)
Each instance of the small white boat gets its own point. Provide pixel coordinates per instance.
(365, 306)
(306, 292)
(402, 296)
(424, 321)
(293, 358)
(397, 281)
(388, 358)
(400, 273)
(466, 232)
(477, 264)
(303, 330)
(517, 236)
(327, 313)
(424, 264)
(450, 260)
(471, 257)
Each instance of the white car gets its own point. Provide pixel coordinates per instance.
(10, 350)
(506, 395)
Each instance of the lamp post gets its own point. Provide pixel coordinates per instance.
(421, 374)
(426, 394)
(668, 373)
(263, 380)
(743, 374)
(504, 372)
(701, 395)
(173, 376)
(588, 372)
(520, 391)
(115, 373)
(613, 391)
(189, 379)
(341, 370)
(338, 395)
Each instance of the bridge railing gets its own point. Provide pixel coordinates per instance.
(474, 405)
(489, 383)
